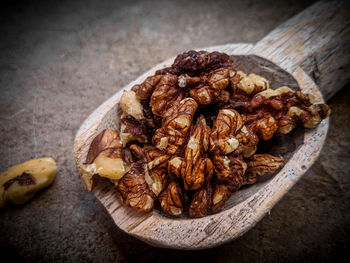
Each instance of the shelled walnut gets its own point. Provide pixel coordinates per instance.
(194, 169)
(155, 166)
(189, 135)
(176, 126)
(201, 202)
(171, 199)
(104, 158)
(134, 189)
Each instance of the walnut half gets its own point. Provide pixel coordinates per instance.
(104, 158)
(194, 169)
(134, 189)
(176, 126)
(171, 199)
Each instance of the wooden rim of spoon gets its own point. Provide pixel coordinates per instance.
(315, 40)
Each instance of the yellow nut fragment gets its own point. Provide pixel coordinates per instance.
(252, 83)
(112, 168)
(294, 111)
(275, 92)
(163, 143)
(131, 105)
(21, 182)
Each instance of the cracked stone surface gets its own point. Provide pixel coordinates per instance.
(60, 60)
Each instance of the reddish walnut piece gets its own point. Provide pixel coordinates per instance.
(223, 136)
(155, 165)
(176, 126)
(194, 169)
(134, 189)
(201, 202)
(171, 199)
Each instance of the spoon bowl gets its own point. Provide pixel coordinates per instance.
(246, 206)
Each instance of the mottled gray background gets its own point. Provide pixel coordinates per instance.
(59, 60)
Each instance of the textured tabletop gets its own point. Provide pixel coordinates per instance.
(59, 60)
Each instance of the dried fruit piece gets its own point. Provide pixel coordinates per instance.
(21, 182)
(134, 189)
(171, 199)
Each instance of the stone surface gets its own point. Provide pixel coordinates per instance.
(59, 61)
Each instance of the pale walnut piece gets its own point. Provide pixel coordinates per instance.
(134, 189)
(21, 182)
(253, 83)
(109, 164)
(194, 169)
(176, 127)
(171, 199)
(131, 105)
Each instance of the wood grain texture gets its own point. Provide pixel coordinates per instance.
(317, 40)
(246, 207)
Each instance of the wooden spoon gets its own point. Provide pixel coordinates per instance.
(314, 41)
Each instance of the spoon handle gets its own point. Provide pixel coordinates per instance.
(317, 40)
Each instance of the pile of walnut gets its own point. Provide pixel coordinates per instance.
(189, 135)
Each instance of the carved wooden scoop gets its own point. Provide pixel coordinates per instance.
(314, 41)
